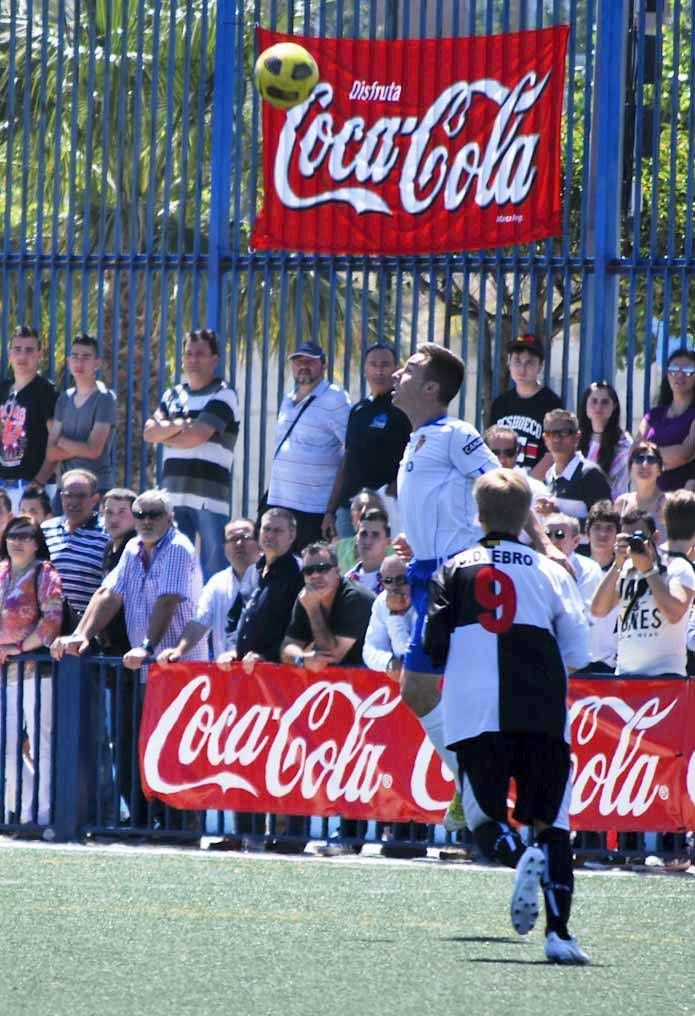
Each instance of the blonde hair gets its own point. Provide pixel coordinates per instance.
(504, 499)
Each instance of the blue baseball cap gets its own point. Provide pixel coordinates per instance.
(308, 349)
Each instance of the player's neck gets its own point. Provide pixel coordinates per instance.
(419, 417)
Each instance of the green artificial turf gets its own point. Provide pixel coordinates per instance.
(86, 931)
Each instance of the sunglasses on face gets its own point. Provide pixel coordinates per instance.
(646, 459)
(556, 534)
(504, 453)
(688, 371)
(562, 432)
(317, 569)
(239, 538)
(74, 495)
(148, 513)
(396, 580)
(21, 536)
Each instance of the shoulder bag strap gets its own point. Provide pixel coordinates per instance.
(293, 425)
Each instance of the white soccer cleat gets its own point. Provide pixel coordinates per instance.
(565, 950)
(524, 906)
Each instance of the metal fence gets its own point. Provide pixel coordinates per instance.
(129, 152)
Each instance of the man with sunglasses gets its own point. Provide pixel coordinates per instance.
(223, 597)
(330, 616)
(391, 622)
(574, 483)
(158, 583)
(76, 540)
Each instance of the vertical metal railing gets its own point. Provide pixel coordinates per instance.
(130, 155)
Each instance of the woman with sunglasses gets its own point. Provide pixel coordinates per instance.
(671, 423)
(31, 611)
(602, 439)
(646, 465)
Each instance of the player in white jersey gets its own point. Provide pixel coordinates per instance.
(440, 464)
(508, 623)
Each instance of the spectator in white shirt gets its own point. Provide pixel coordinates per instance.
(309, 443)
(391, 624)
(224, 595)
(655, 597)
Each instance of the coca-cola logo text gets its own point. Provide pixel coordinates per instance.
(355, 154)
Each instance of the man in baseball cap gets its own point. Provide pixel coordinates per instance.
(309, 443)
(524, 406)
(312, 350)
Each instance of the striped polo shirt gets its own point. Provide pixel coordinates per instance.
(200, 477)
(305, 467)
(78, 557)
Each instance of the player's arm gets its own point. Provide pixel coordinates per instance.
(438, 627)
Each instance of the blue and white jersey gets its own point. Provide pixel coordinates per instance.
(441, 462)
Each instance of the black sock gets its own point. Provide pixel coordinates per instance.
(499, 842)
(559, 883)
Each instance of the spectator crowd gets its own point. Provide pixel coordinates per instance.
(320, 578)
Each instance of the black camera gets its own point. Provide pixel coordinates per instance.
(638, 543)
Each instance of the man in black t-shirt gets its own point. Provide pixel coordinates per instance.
(377, 433)
(330, 616)
(523, 407)
(26, 409)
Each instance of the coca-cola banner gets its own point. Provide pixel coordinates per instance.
(342, 743)
(417, 146)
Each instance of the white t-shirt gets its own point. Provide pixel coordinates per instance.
(603, 636)
(441, 462)
(647, 643)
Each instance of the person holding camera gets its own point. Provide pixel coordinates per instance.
(654, 593)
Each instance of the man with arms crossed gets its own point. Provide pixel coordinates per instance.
(442, 459)
(508, 624)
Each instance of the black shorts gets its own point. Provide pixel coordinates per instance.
(538, 763)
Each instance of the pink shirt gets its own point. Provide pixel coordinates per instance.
(23, 612)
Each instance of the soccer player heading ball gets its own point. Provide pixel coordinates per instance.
(507, 624)
(285, 74)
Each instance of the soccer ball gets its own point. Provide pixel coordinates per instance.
(285, 74)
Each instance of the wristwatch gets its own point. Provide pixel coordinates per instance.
(299, 661)
(146, 644)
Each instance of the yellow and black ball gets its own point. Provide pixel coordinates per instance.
(285, 74)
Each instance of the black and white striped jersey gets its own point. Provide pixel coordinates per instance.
(505, 622)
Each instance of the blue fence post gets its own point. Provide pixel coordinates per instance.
(74, 750)
(605, 190)
(221, 155)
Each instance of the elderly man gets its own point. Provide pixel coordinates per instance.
(563, 531)
(157, 581)
(391, 622)
(224, 596)
(197, 422)
(377, 433)
(309, 443)
(76, 540)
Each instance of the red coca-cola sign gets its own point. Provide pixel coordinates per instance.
(417, 146)
(342, 742)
